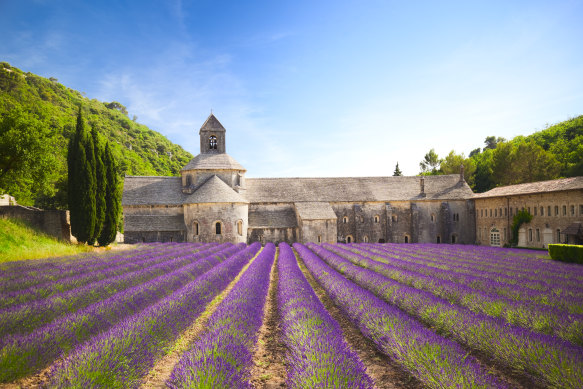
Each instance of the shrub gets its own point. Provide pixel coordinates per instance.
(566, 252)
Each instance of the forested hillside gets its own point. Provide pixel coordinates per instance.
(552, 153)
(37, 118)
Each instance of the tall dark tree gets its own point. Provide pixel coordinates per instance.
(82, 185)
(100, 182)
(397, 171)
(112, 199)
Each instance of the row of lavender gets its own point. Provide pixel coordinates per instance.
(67, 321)
(547, 359)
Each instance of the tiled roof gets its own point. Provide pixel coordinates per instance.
(214, 190)
(446, 187)
(268, 217)
(572, 183)
(315, 211)
(152, 191)
(154, 223)
(222, 161)
(212, 124)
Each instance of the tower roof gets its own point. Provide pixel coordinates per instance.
(212, 124)
(213, 162)
(214, 190)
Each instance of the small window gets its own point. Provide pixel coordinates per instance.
(535, 211)
(510, 211)
(345, 219)
(349, 239)
(564, 210)
(490, 212)
(481, 213)
(556, 210)
(500, 212)
(213, 142)
(542, 211)
(505, 211)
(377, 218)
(319, 238)
(432, 218)
(195, 228)
(530, 234)
(394, 218)
(365, 239)
(572, 210)
(406, 239)
(240, 227)
(558, 236)
(529, 210)
(537, 235)
(218, 228)
(495, 213)
(549, 210)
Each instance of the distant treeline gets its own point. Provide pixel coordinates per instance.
(38, 117)
(552, 153)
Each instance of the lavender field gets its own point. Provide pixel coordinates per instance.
(308, 316)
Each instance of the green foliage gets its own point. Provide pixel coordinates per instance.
(452, 164)
(430, 163)
(100, 181)
(112, 200)
(48, 111)
(566, 253)
(397, 171)
(521, 217)
(19, 241)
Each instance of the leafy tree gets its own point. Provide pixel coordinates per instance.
(491, 142)
(112, 199)
(452, 165)
(27, 159)
(397, 171)
(120, 107)
(522, 216)
(430, 163)
(82, 185)
(483, 179)
(100, 181)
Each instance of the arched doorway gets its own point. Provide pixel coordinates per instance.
(349, 239)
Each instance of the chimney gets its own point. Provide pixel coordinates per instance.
(462, 179)
(422, 185)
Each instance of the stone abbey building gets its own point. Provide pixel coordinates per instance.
(212, 201)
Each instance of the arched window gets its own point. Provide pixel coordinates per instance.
(345, 219)
(406, 239)
(365, 239)
(195, 228)
(377, 218)
(319, 238)
(432, 218)
(240, 227)
(394, 218)
(213, 142)
(438, 239)
(349, 239)
(218, 228)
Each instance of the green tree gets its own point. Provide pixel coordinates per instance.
(112, 199)
(81, 184)
(397, 171)
(452, 165)
(27, 159)
(100, 183)
(521, 217)
(483, 180)
(491, 142)
(430, 163)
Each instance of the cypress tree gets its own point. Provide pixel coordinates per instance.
(81, 183)
(100, 182)
(112, 199)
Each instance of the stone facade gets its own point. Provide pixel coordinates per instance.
(51, 222)
(554, 206)
(212, 201)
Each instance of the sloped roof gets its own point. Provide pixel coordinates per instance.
(339, 189)
(144, 190)
(212, 124)
(214, 190)
(154, 223)
(572, 183)
(574, 229)
(264, 217)
(316, 210)
(222, 161)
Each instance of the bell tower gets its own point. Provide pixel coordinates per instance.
(212, 137)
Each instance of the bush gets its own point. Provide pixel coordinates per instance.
(566, 253)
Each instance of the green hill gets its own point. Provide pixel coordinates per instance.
(52, 108)
(18, 241)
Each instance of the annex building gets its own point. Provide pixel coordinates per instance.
(213, 201)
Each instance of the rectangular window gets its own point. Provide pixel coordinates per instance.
(530, 234)
(500, 212)
(535, 209)
(495, 213)
(549, 210)
(510, 211)
(537, 235)
(564, 210)
(542, 211)
(556, 210)
(482, 212)
(490, 212)
(505, 211)
(572, 210)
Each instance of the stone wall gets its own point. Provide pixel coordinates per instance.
(318, 231)
(497, 213)
(55, 223)
(206, 215)
(272, 234)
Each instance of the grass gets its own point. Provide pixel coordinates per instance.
(18, 241)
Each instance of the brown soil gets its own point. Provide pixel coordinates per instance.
(161, 371)
(268, 371)
(385, 372)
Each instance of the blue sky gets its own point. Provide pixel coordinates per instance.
(314, 88)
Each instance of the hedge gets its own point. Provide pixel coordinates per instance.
(566, 252)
